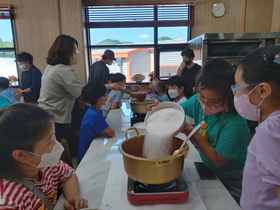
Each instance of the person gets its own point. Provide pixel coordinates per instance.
(223, 139)
(29, 151)
(98, 71)
(257, 98)
(160, 94)
(3, 102)
(93, 124)
(61, 85)
(153, 81)
(115, 97)
(109, 79)
(180, 90)
(188, 68)
(30, 78)
(7, 92)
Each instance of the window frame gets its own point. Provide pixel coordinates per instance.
(157, 47)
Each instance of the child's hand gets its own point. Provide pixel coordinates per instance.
(74, 203)
(102, 134)
(150, 106)
(187, 128)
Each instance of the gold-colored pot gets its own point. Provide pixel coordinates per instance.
(138, 107)
(151, 171)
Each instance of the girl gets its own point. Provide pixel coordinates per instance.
(160, 92)
(222, 141)
(30, 151)
(257, 97)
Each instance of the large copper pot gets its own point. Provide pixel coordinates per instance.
(151, 171)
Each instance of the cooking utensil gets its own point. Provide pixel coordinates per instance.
(139, 96)
(192, 132)
(151, 171)
(138, 107)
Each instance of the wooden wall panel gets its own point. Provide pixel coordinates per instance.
(36, 26)
(275, 23)
(259, 16)
(71, 24)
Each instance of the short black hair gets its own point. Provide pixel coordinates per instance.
(109, 77)
(92, 91)
(187, 52)
(118, 77)
(24, 56)
(161, 85)
(217, 75)
(4, 82)
(181, 81)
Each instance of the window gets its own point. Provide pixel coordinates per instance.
(8, 67)
(144, 38)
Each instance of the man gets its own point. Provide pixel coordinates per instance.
(188, 68)
(99, 71)
(30, 78)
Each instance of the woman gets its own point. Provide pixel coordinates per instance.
(29, 157)
(257, 98)
(60, 83)
(222, 141)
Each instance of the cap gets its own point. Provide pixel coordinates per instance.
(109, 54)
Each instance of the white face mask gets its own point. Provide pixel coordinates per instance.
(23, 67)
(74, 59)
(110, 63)
(51, 158)
(154, 82)
(173, 93)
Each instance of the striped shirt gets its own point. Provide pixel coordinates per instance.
(16, 196)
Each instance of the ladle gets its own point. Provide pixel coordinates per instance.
(192, 132)
(139, 96)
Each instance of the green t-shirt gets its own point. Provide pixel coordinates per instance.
(228, 134)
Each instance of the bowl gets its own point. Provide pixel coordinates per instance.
(138, 78)
(133, 87)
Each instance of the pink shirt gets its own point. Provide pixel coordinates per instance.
(16, 196)
(262, 167)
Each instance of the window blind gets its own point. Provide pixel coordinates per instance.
(139, 15)
(5, 12)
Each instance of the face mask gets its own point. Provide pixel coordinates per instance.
(74, 59)
(208, 111)
(154, 83)
(23, 67)
(246, 109)
(188, 62)
(110, 63)
(49, 159)
(173, 93)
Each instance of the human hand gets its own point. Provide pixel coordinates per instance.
(187, 128)
(18, 94)
(74, 203)
(113, 86)
(150, 106)
(182, 65)
(102, 134)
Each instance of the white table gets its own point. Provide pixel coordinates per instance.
(94, 169)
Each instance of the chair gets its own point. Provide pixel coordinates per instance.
(66, 156)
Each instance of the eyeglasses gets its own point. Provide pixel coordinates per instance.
(211, 106)
(235, 89)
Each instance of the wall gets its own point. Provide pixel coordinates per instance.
(39, 22)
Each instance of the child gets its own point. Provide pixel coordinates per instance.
(257, 98)
(160, 92)
(114, 98)
(179, 89)
(30, 151)
(7, 92)
(93, 123)
(153, 81)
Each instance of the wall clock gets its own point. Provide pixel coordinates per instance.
(218, 9)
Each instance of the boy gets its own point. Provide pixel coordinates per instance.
(114, 98)
(93, 123)
(6, 91)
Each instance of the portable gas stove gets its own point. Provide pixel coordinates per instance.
(135, 118)
(172, 192)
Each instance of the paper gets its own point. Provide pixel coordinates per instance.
(115, 195)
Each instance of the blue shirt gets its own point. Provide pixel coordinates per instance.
(3, 103)
(31, 79)
(9, 95)
(92, 124)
